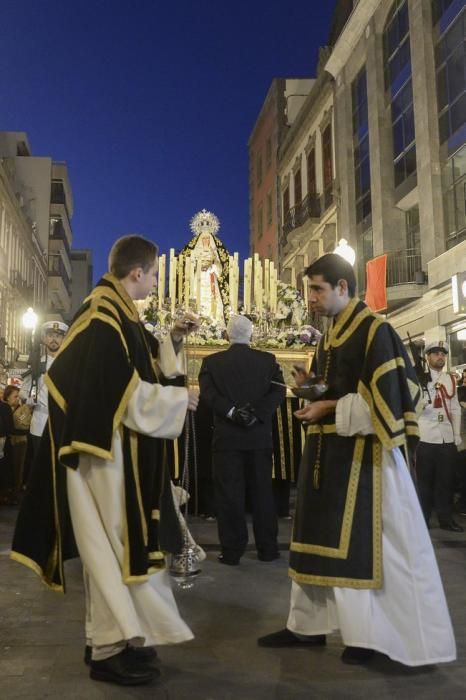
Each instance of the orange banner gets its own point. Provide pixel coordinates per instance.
(376, 287)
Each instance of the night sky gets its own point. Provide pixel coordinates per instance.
(151, 104)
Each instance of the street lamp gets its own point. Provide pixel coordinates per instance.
(346, 251)
(29, 320)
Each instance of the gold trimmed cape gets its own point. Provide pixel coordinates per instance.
(337, 537)
(103, 357)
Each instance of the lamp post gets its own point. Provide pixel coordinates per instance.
(346, 251)
(29, 320)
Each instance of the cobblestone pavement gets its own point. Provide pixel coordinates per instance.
(41, 637)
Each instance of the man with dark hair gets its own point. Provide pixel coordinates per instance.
(361, 558)
(102, 464)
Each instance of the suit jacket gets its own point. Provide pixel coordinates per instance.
(235, 377)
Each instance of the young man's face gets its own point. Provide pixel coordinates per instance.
(53, 340)
(436, 359)
(146, 281)
(325, 299)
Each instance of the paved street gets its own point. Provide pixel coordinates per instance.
(41, 637)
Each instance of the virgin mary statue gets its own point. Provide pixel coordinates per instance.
(209, 260)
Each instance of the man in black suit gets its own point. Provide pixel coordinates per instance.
(244, 388)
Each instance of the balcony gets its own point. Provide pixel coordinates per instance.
(406, 280)
(58, 269)
(20, 285)
(58, 233)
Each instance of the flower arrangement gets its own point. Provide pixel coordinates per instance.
(210, 332)
(294, 338)
(290, 305)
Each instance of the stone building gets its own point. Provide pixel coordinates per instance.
(399, 70)
(377, 155)
(36, 206)
(281, 106)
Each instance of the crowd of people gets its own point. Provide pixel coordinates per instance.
(381, 453)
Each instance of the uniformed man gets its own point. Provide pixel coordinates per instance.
(34, 390)
(440, 433)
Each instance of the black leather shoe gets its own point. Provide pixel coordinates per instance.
(227, 560)
(269, 557)
(141, 654)
(285, 638)
(357, 655)
(451, 526)
(120, 670)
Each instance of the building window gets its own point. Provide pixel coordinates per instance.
(362, 173)
(398, 83)
(311, 173)
(260, 224)
(268, 153)
(327, 166)
(269, 209)
(286, 202)
(454, 186)
(298, 188)
(450, 60)
(259, 170)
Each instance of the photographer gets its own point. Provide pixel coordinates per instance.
(238, 385)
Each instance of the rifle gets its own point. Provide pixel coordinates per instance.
(422, 373)
(36, 364)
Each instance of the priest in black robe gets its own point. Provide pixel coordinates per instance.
(361, 559)
(100, 481)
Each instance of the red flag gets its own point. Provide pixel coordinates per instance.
(376, 287)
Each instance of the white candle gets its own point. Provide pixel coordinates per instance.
(161, 280)
(247, 285)
(267, 280)
(187, 282)
(293, 277)
(180, 279)
(258, 284)
(198, 287)
(172, 280)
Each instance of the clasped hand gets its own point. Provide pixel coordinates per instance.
(244, 416)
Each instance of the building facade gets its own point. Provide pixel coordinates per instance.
(281, 106)
(81, 278)
(306, 173)
(36, 207)
(399, 70)
(377, 155)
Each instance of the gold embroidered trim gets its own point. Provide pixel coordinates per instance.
(334, 581)
(289, 415)
(34, 566)
(156, 555)
(327, 428)
(332, 338)
(281, 444)
(133, 443)
(55, 394)
(377, 511)
(340, 552)
(57, 549)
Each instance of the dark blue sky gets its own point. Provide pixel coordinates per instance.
(151, 103)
